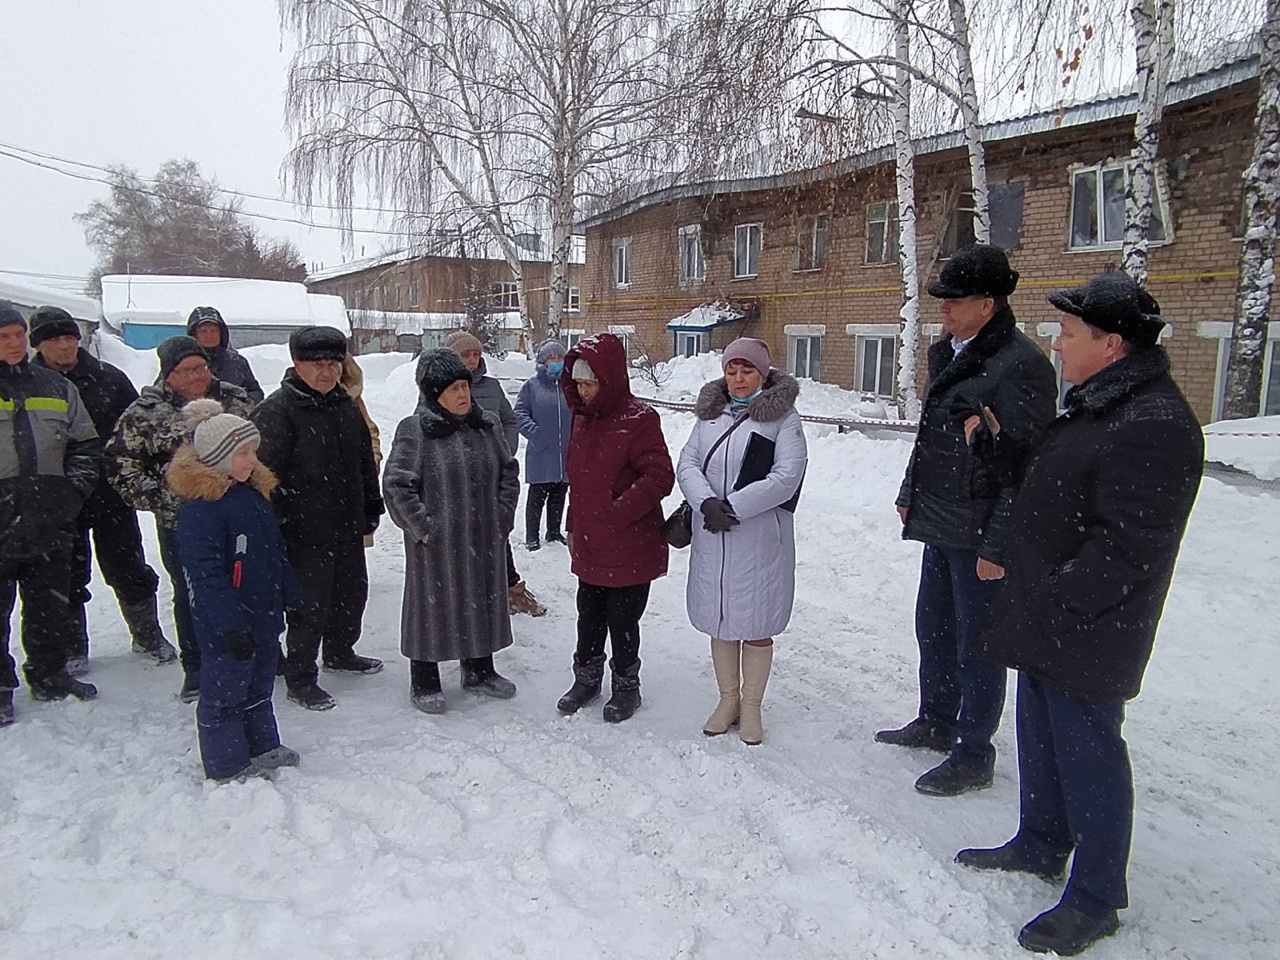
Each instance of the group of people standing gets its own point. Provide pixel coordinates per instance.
(1049, 538)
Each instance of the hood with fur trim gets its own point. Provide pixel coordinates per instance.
(775, 400)
(192, 480)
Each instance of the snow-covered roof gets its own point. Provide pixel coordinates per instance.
(533, 247)
(401, 322)
(24, 293)
(705, 316)
(329, 311)
(152, 299)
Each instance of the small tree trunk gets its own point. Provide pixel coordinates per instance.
(904, 150)
(1257, 252)
(1153, 32)
(972, 127)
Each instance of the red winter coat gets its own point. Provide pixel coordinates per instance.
(619, 471)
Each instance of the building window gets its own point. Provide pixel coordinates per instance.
(621, 264)
(1097, 207)
(688, 344)
(804, 357)
(413, 293)
(1004, 209)
(1271, 380)
(875, 358)
(571, 337)
(573, 300)
(504, 296)
(811, 242)
(624, 334)
(746, 250)
(693, 269)
(882, 233)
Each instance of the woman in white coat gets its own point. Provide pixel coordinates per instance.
(741, 471)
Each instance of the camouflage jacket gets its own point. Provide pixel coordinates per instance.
(146, 438)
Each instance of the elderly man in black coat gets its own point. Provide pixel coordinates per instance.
(956, 498)
(1091, 549)
(315, 440)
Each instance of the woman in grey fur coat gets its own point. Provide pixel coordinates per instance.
(742, 568)
(452, 486)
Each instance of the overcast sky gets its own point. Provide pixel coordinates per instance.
(138, 82)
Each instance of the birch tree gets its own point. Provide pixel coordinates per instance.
(969, 112)
(905, 170)
(1154, 39)
(1257, 252)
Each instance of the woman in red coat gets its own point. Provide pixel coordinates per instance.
(619, 471)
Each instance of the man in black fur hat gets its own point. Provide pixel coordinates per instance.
(1090, 555)
(957, 498)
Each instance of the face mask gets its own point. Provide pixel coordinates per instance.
(745, 400)
(555, 367)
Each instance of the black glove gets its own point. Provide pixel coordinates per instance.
(717, 516)
(240, 645)
(370, 525)
(373, 509)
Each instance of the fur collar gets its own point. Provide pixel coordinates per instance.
(1110, 385)
(773, 403)
(352, 378)
(192, 480)
(436, 423)
(945, 368)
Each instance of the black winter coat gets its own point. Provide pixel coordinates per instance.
(1096, 531)
(961, 496)
(319, 449)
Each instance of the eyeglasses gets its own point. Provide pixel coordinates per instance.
(189, 372)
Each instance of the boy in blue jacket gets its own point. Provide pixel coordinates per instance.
(239, 582)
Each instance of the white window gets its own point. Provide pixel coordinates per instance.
(811, 242)
(1271, 380)
(804, 357)
(621, 263)
(1097, 207)
(1269, 403)
(573, 300)
(413, 293)
(693, 268)
(571, 337)
(504, 296)
(876, 357)
(746, 250)
(624, 333)
(688, 344)
(882, 233)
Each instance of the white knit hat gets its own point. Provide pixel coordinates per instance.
(582, 370)
(217, 435)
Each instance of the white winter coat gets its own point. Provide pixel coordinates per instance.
(742, 583)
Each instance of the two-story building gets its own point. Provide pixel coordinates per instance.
(808, 261)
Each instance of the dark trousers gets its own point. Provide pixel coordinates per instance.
(513, 575)
(335, 589)
(188, 651)
(960, 689)
(553, 496)
(117, 542)
(1076, 790)
(614, 612)
(45, 584)
(235, 718)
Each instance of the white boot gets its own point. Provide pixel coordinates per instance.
(725, 655)
(756, 663)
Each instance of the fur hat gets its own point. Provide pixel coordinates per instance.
(50, 322)
(1113, 302)
(318, 343)
(216, 435)
(9, 314)
(749, 350)
(582, 370)
(173, 350)
(463, 342)
(438, 369)
(978, 270)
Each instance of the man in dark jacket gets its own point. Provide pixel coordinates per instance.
(1090, 555)
(106, 393)
(208, 328)
(147, 436)
(48, 465)
(315, 440)
(956, 498)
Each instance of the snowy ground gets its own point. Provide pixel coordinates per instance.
(503, 829)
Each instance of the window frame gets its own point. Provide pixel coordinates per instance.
(413, 294)
(758, 227)
(504, 295)
(793, 355)
(622, 264)
(573, 298)
(811, 256)
(890, 217)
(859, 358)
(683, 335)
(683, 235)
(572, 337)
(1160, 204)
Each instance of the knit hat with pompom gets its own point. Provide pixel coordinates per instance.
(217, 435)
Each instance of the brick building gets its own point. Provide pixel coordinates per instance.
(808, 260)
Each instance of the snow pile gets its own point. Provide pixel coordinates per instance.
(1252, 445)
(241, 302)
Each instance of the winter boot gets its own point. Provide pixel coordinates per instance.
(587, 677)
(1013, 858)
(953, 777)
(756, 664)
(726, 657)
(61, 685)
(310, 695)
(424, 687)
(190, 691)
(919, 733)
(352, 662)
(281, 756)
(532, 546)
(522, 600)
(143, 621)
(626, 693)
(6, 708)
(1066, 931)
(78, 654)
(480, 676)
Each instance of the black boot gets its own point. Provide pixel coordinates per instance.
(143, 621)
(312, 696)
(1012, 858)
(626, 693)
(78, 651)
(480, 676)
(61, 685)
(587, 678)
(352, 662)
(190, 691)
(6, 708)
(919, 733)
(424, 686)
(954, 776)
(1066, 931)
